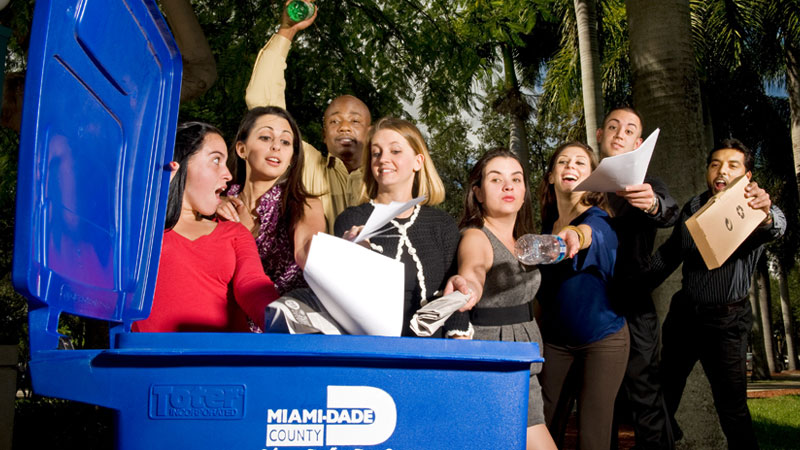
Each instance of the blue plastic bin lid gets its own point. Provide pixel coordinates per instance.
(101, 104)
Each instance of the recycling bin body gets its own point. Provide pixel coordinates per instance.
(98, 130)
(201, 390)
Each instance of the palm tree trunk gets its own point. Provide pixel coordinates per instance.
(517, 110)
(586, 20)
(793, 87)
(760, 367)
(786, 313)
(764, 294)
(666, 92)
(199, 67)
(518, 143)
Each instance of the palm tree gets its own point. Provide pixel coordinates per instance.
(667, 94)
(566, 78)
(586, 20)
(779, 23)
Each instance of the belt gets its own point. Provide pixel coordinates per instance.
(506, 315)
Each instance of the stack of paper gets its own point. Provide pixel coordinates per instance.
(614, 173)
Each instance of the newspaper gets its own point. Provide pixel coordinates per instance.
(299, 312)
(428, 319)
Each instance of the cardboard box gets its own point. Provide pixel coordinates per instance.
(723, 223)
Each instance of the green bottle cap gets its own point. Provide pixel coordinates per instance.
(300, 10)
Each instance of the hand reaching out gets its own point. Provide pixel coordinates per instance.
(640, 196)
(461, 284)
(573, 241)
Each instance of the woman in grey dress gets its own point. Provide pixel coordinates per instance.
(497, 210)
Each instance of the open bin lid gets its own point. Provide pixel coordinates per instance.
(98, 128)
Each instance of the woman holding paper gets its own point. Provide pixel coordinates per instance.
(271, 200)
(398, 168)
(497, 211)
(209, 276)
(580, 329)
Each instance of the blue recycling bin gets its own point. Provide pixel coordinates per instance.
(98, 128)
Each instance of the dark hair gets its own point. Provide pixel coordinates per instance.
(625, 108)
(295, 194)
(547, 193)
(749, 159)
(473, 209)
(189, 138)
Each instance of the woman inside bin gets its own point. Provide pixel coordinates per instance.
(397, 167)
(497, 211)
(270, 199)
(586, 341)
(209, 277)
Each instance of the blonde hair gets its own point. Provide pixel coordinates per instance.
(426, 181)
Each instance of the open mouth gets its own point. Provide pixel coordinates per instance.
(273, 161)
(570, 178)
(346, 141)
(720, 184)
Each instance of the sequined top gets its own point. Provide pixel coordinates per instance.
(274, 242)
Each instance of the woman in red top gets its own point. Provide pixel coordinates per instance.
(210, 276)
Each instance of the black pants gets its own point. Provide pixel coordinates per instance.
(641, 387)
(717, 337)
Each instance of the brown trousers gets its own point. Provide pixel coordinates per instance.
(595, 371)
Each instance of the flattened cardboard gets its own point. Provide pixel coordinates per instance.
(723, 223)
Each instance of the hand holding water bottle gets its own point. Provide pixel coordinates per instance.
(534, 249)
(575, 239)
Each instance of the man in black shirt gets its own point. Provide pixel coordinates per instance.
(639, 211)
(710, 316)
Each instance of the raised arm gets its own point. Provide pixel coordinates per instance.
(267, 85)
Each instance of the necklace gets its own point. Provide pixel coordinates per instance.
(406, 242)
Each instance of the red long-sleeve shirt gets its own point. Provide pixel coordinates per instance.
(213, 283)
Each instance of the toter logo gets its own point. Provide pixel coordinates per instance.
(222, 402)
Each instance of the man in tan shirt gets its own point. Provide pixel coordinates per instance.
(337, 177)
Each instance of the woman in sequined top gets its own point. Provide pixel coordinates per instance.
(270, 200)
(397, 167)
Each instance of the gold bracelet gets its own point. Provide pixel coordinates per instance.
(653, 208)
(581, 237)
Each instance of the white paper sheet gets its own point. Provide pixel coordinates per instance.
(361, 289)
(381, 215)
(615, 172)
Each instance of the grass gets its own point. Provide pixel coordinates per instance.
(776, 421)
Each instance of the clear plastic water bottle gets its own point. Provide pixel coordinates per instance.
(300, 10)
(534, 249)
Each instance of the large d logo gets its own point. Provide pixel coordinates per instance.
(361, 397)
